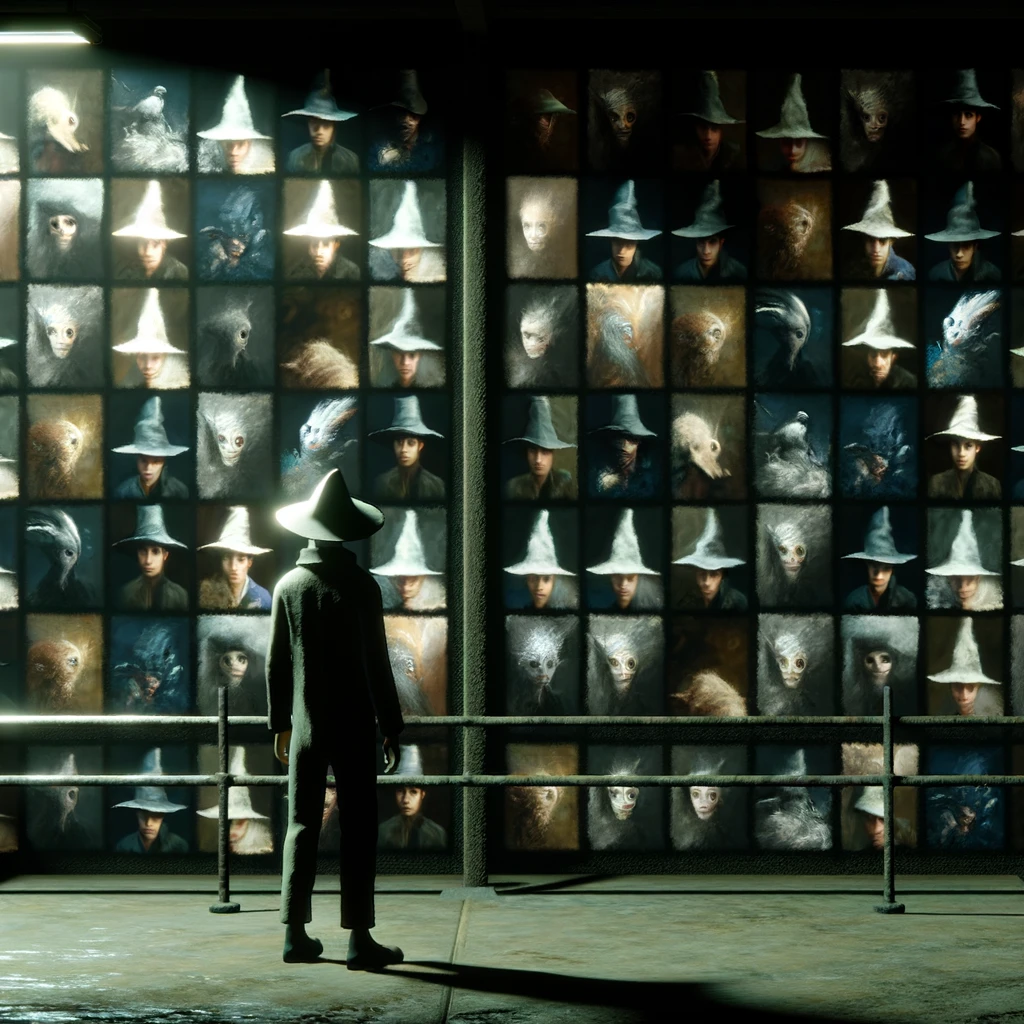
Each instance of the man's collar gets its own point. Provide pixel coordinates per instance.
(311, 555)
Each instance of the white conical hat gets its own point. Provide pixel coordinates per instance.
(877, 220)
(794, 121)
(411, 760)
(7, 342)
(408, 558)
(235, 118)
(965, 666)
(709, 554)
(407, 230)
(872, 801)
(235, 535)
(151, 334)
(239, 800)
(879, 332)
(964, 422)
(964, 556)
(149, 221)
(625, 555)
(322, 217)
(406, 333)
(541, 559)
(152, 798)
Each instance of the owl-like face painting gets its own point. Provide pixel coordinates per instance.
(63, 228)
(234, 665)
(230, 434)
(621, 112)
(61, 330)
(874, 116)
(541, 658)
(878, 666)
(705, 800)
(791, 657)
(622, 661)
(789, 548)
(623, 800)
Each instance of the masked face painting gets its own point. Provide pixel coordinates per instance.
(877, 666)
(61, 330)
(621, 112)
(229, 433)
(233, 665)
(791, 658)
(537, 216)
(790, 549)
(540, 657)
(623, 800)
(621, 658)
(705, 800)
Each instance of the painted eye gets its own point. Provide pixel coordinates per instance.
(239, 441)
(69, 332)
(72, 121)
(800, 664)
(800, 551)
(243, 333)
(69, 554)
(74, 442)
(72, 662)
(221, 439)
(614, 662)
(717, 332)
(550, 663)
(630, 117)
(800, 334)
(882, 117)
(534, 664)
(782, 549)
(712, 797)
(631, 664)
(714, 446)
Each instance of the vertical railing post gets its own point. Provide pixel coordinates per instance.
(224, 905)
(889, 904)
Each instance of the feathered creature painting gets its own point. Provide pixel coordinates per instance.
(238, 246)
(327, 440)
(142, 137)
(153, 678)
(417, 647)
(541, 350)
(794, 665)
(625, 336)
(784, 231)
(65, 332)
(784, 327)
(233, 456)
(53, 124)
(698, 460)
(226, 345)
(789, 818)
(880, 460)
(53, 670)
(55, 447)
(965, 817)
(55, 533)
(794, 556)
(968, 353)
(788, 466)
(707, 694)
(624, 664)
(540, 677)
(874, 110)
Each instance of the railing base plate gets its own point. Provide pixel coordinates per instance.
(473, 892)
(225, 908)
(890, 908)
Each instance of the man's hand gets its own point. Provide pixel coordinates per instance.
(282, 741)
(392, 755)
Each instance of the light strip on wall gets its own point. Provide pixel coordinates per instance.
(42, 38)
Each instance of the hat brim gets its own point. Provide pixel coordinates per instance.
(336, 115)
(408, 344)
(163, 542)
(875, 229)
(395, 241)
(954, 675)
(242, 549)
(623, 568)
(977, 104)
(962, 236)
(537, 569)
(867, 556)
(403, 569)
(213, 812)
(556, 445)
(970, 435)
(882, 342)
(219, 133)
(960, 569)
(781, 131)
(139, 346)
(140, 231)
(157, 451)
(553, 108)
(7, 342)
(419, 109)
(701, 230)
(706, 115)
(153, 806)
(388, 432)
(640, 431)
(320, 231)
(710, 564)
(641, 235)
(360, 521)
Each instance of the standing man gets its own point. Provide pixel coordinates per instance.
(325, 609)
(322, 155)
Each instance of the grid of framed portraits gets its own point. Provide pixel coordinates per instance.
(213, 291)
(761, 435)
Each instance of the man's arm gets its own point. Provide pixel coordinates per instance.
(378, 664)
(280, 679)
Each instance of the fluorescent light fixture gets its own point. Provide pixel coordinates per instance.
(58, 37)
(73, 31)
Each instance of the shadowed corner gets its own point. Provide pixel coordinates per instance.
(642, 1001)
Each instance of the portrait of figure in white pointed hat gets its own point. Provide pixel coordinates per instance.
(965, 555)
(10, 335)
(876, 121)
(964, 339)
(965, 666)
(965, 118)
(707, 337)
(150, 329)
(64, 557)
(232, 656)
(795, 668)
(1017, 556)
(624, 452)
(792, 446)
(235, 337)
(63, 455)
(408, 231)
(234, 236)
(321, 219)
(235, 118)
(64, 118)
(793, 238)
(64, 664)
(542, 817)
(863, 807)
(709, 109)
(703, 817)
(707, 543)
(878, 447)
(248, 807)
(708, 667)
(794, 555)
(541, 350)
(963, 437)
(623, 817)
(541, 228)
(318, 338)
(625, 666)
(616, 208)
(623, 573)
(233, 445)
(789, 143)
(793, 817)
(1017, 664)
(407, 557)
(407, 334)
(154, 552)
(11, 123)
(541, 560)
(10, 223)
(875, 216)
(230, 585)
(152, 829)
(319, 118)
(703, 233)
(407, 443)
(708, 436)
(149, 218)
(966, 817)
(10, 450)
(317, 437)
(150, 666)
(625, 129)
(418, 653)
(410, 827)
(62, 239)
(149, 478)
(65, 816)
(879, 350)
(406, 134)
(65, 327)
(542, 663)
(541, 121)
(889, 538)
(149, 120)
(967, 224)
(625, 335)
(540, 438)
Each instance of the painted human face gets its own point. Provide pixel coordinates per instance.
(234, 665)
(964, 121)
(330, 802)
(543, 127)
(407, 451)
(321, 132)
(540, 588)
(151, 365)
(877, 252)
(874, 826)
(708, 251)
(408, 125)
(964, 696)
(792, 150)
(709, 582)
(623, 252)
(409, 800)
(964, 452)
(149, 468)
(540, 460)
(626, 448)
(624, 587)
(235, 567)
(152, 559)
(965, 589)
(322, 252)
(878, 666)
(880, 362)
(879, 575)
(235, 153)
(239, 826)
(407, 260)
(622, 119)
(406, 364)
(63, 228)
(149, 826)
(961, 255)
(709, 137)
(536, 335)
(408, 587)
(623, 800)
(705, 800)
(151, 253)
(537, 218)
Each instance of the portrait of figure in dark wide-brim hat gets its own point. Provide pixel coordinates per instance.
(709, 118)
(966, 122)
(318, 120)
(542, 121)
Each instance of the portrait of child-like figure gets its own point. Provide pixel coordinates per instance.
(876, 240)
(709, 817)
(541, 228)
(542, 121)
(623, 817)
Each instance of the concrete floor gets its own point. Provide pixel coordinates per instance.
(146, 948)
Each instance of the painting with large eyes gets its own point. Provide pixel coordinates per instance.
(235, 337)
(407, 231)
(541, 228)
(709, 817)
(64, 664)
(878, 652)
(792, 446)
(541, 817)
(708, 667)
(707, 337)
(64, 121)
(418, 649)
(863, 807)
(63, 454)
(625, 674)
(63, 238)
(542, 121)
(795, 665)
(65, 817)
(793, 817)
(149, 130)
(877, 114)
(232, 657)
(708, 447)
(541, 347)
(542, 665)
(233, 458)
(65, 328)
(625, 130)
(794, 556)
(965, 817)
(624, 817)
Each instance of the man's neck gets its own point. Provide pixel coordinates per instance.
(539, 482)
(237, 590)
(147, 490)
(153, 581)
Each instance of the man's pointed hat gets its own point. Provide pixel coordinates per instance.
(625, 418)
(877, 220)
(966, 92)
(623, 218)
(407, 228)
(150, 529)
(962, 223)
(543, 101)
(406, 421)
(964, 422)
(320, 103)
(406, 334)
(236, 535)
(149, 221)
(407, 94)
(150, 436)
(235, 117)
(321, 219)
(151, 333)
(965, 666)
(879, 544)
(330, 513)
(879, 332)
(152, 798)
(625, 557)
(539, 429)
(709, 102)
(408, 558)
(872, 801)
(239, 800)
(709, 217)
(709, 553)
(541, 559)
(964, 557)
(794, 121)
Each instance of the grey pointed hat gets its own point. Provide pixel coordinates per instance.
(150, 436)
(407, 94)
(623, 218)
(709, 217)
(236, 535)
(541, 559)
(966, 92)
(709, 552)
(871, 801)
(406, 421)
(543, 101)
(625, 418)
(794, 121)
(965, 665)
(877, 220)
(964, 558)
(962, 223)
(330, 513)
(879, 545)
(150, 529)
(709, 102)
(239, 798)
(625, 557)
(320, 103)
(539, 430)
(151, 798)
(879, 332)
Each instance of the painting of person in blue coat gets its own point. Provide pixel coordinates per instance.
(232, 587)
